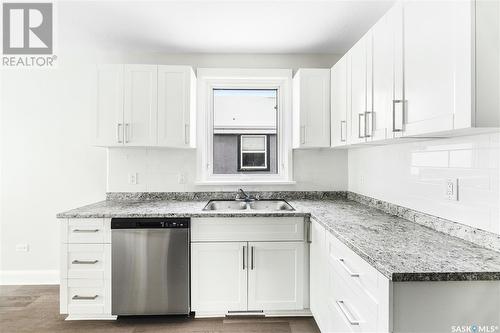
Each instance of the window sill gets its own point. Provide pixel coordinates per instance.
(245, 182)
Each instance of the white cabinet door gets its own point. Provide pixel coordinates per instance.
(437, 64)
(108, 120)
(140, 106)
(318, 276)
(387, 57)
(175, 106)
(219, 277)
(339, 103)
(312, 108)
(276, 276)
(358, 71)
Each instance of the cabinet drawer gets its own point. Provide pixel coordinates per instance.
(247, 229)
(86, 231)
(357, 310)
(352, 267)
(86, 261)
(92, 296)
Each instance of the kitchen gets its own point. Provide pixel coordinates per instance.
(333, 168)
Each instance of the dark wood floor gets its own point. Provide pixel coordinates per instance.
(36, 309)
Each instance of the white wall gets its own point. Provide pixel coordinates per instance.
(413, 175)
(159, 171)
(48, 164)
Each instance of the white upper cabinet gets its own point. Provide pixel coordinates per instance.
(359, 89)
(145, 106)
(387, 72)
(176, 106)
(425, 69)
(140, 105)
(437, 64)
(340, 129)
(108, 119)
(311, 108)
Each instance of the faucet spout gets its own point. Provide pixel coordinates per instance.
(246, 196)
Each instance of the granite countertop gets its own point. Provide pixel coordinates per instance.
(399, 249)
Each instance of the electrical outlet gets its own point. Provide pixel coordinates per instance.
(23, 247)
(451, 189)
(132, 178)
(181, 179)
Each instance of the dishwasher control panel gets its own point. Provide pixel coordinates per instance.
(150, 223)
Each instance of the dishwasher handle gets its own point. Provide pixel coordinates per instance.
(150, 223)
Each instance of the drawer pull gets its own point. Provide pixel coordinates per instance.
(84, 262)
(81, 298)
(85, 230)
(347, 314)
(351, 273)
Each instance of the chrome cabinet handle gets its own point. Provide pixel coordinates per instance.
(85, 230)
(244, 257)
(186, 133)
(343, 124)
(347, 314)
(308, 231)
(127, 134)
(78, 297)
(368, 124)
(302, 134)
(252, 255)
(351, 273)
(85, 262)
(361, 115)
(394, 128)
(118, 127)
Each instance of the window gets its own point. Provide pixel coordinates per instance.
(244, 126)
(253, 152)
(244, 129)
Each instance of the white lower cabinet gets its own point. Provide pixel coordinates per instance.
(350, 295)
(276, 276)
(239, 275)
(343, 295)
(218, 276)
(85, 289)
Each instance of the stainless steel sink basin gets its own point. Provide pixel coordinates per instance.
(257, 205)
(270, 205)
(225, 205)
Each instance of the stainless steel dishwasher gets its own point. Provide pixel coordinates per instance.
(150, 266)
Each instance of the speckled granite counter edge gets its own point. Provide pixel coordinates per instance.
(479, 237)
(69, 215)
(410, 276)
(199, 196)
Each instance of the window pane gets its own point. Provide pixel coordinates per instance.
(243, 119)
(253, 143)
(253, 160)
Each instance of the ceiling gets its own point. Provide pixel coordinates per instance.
(218, 26)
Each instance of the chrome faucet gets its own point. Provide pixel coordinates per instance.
(245, 197)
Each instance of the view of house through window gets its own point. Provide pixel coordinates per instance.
(245, 131)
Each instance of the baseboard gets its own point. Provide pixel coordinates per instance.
(29, 277)
(91, 317)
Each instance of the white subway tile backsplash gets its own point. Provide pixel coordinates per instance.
(159, 170)
(414, 174)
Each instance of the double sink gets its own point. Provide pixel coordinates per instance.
(255, 205)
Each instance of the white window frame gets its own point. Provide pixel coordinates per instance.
(209, 79)
(265, 152)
